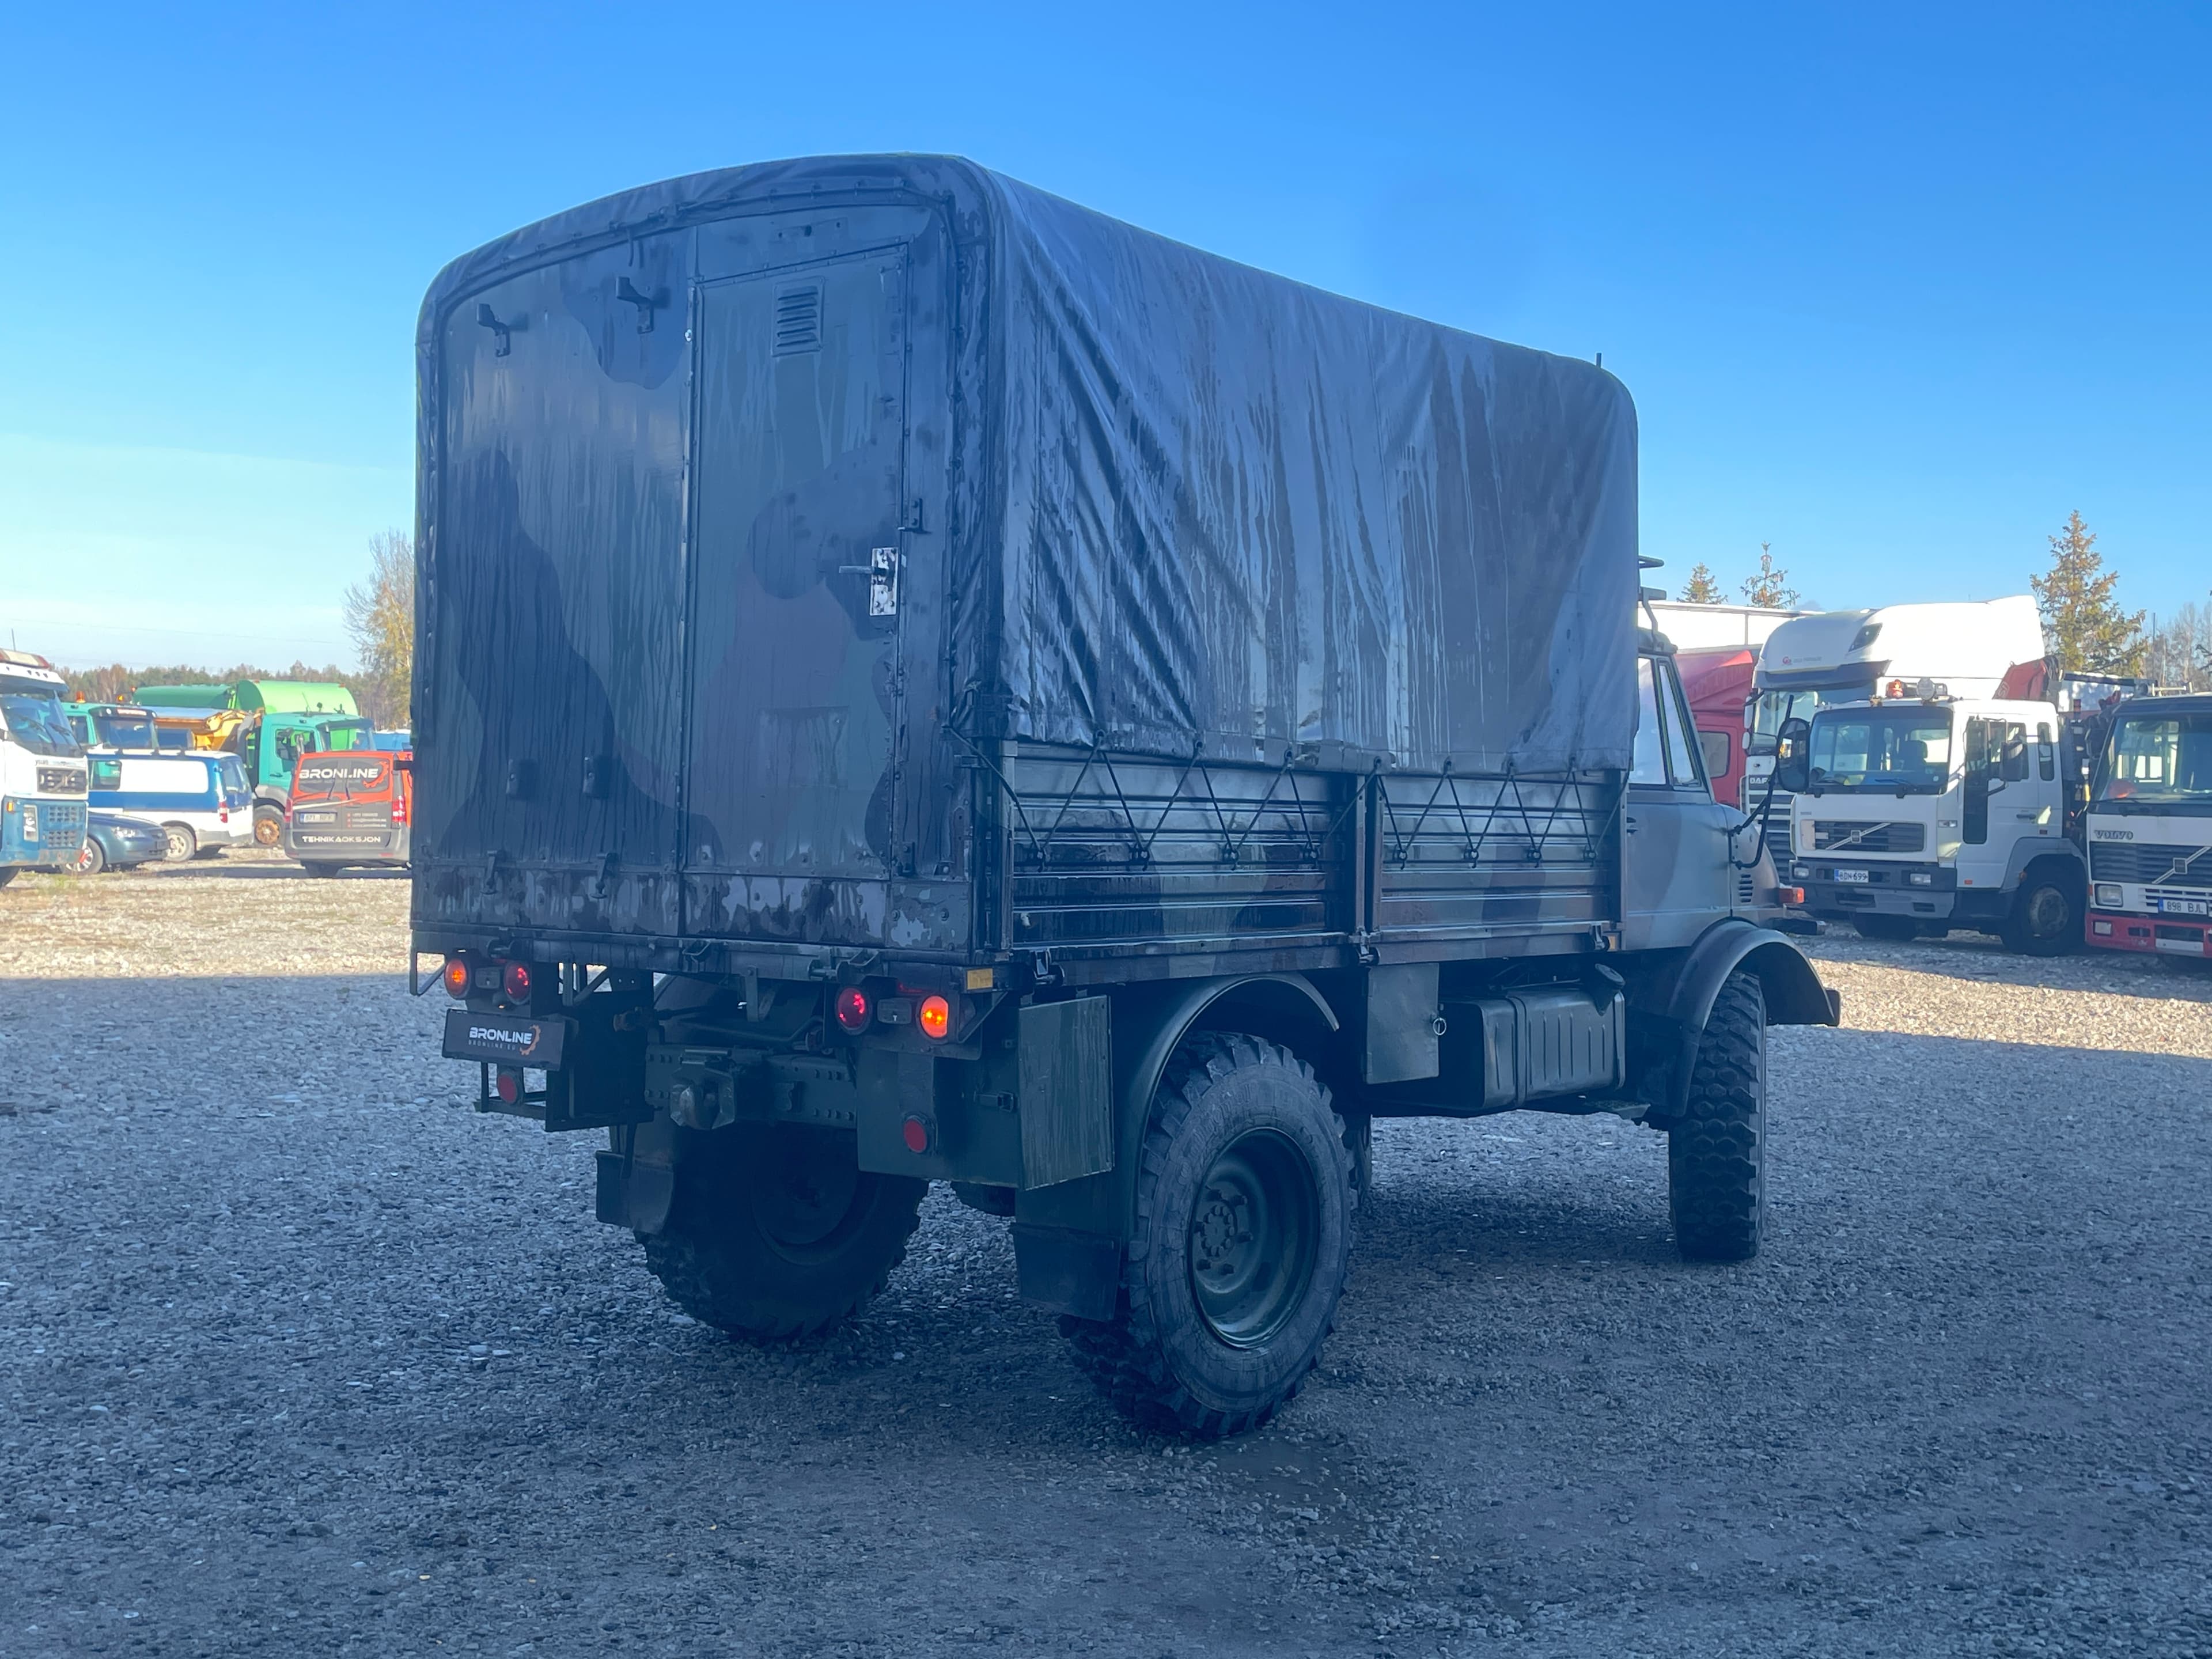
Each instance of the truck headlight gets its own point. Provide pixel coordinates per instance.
(2108, 895)
(1921, 878)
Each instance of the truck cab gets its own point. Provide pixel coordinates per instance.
(1835, 657)
(1917, 812)
(42, 773)
(2149, 830)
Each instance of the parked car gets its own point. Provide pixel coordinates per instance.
(200, 801)
(115, 840)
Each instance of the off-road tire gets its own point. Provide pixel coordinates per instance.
(1889, 930)
(268, 827)
(1716, 1149)
(720, 1257)
(93, 859)
(1162, 1360)
(2046, 919)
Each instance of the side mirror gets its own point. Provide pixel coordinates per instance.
(1793, 756)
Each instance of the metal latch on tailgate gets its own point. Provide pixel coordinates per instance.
(881, 572)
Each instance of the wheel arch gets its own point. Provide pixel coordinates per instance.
(1151, 1020)
(1792, 991)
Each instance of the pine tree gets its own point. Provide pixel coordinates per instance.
(2082, 627)
(1767, 587)
(1701, 588)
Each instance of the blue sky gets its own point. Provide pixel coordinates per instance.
(1895, 288)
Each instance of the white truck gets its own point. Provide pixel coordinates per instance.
(2149, 824)
(1849, 656)
(42, 808)
(1914, 814)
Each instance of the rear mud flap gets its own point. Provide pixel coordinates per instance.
(634, 1193)
(1067, 1271)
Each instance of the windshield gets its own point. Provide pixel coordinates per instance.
(343, 734)
(117, 730)
(1902, 751)
(1770, 708)
(2162, 760)
(34, 718)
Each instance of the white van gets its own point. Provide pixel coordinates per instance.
(205, 806)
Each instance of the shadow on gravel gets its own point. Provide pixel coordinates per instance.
(259, 870)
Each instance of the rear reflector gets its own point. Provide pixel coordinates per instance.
(515, 982)
(509, 1085)
(935, 1017)
(457, 977)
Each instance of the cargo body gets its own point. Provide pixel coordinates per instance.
(913, 677)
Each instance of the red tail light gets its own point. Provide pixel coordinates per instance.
(515, 982)
(398, 808)
(935, 1019)
(509, 1084)
(854, 1011)
(458, 975)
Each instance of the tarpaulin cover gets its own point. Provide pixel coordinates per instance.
(1202, 508)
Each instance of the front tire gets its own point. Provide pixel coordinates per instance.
(1241, 1240)
(1716, 1151)
(2046, 920)
(183, 843)
(776, 1231)
(92, 859)
(268, 826)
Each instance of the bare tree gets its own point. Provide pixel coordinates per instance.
(379, 617)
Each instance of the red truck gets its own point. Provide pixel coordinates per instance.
(1717, 681)
(350, 807)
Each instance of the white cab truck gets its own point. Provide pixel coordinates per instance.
(42, 813)
(2149, 825)
(1692, 627)
(1849, 656)
(1917, 814)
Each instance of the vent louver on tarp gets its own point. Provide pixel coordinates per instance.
(798, 318)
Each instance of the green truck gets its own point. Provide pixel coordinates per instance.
(269, 724)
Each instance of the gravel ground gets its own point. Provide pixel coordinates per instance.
(300, 1356)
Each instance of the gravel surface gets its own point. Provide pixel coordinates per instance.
(301, 1356)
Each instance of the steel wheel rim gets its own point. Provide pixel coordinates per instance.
(2048, 912)
(1254, 1238)
(807, 1192)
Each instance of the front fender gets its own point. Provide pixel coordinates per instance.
(1793, 993)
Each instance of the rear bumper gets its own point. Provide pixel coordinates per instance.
(2116, 930)
(342, 846)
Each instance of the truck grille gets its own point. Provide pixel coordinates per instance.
(1843, 834)
(60, 780)
(2149, 861)
(1777, 830)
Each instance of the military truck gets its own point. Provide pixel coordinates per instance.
(917, 681)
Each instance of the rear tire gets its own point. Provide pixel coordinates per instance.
(1891, 930)
(324, 870)
(777, 1233)
(1238, 1255)
(1717, 1151)
(2046, 920)
(183, 843)
(268, 826)
(93, 859)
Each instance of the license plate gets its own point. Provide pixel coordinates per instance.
(505, 1039)
(1853, 875)
(2185, 907)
